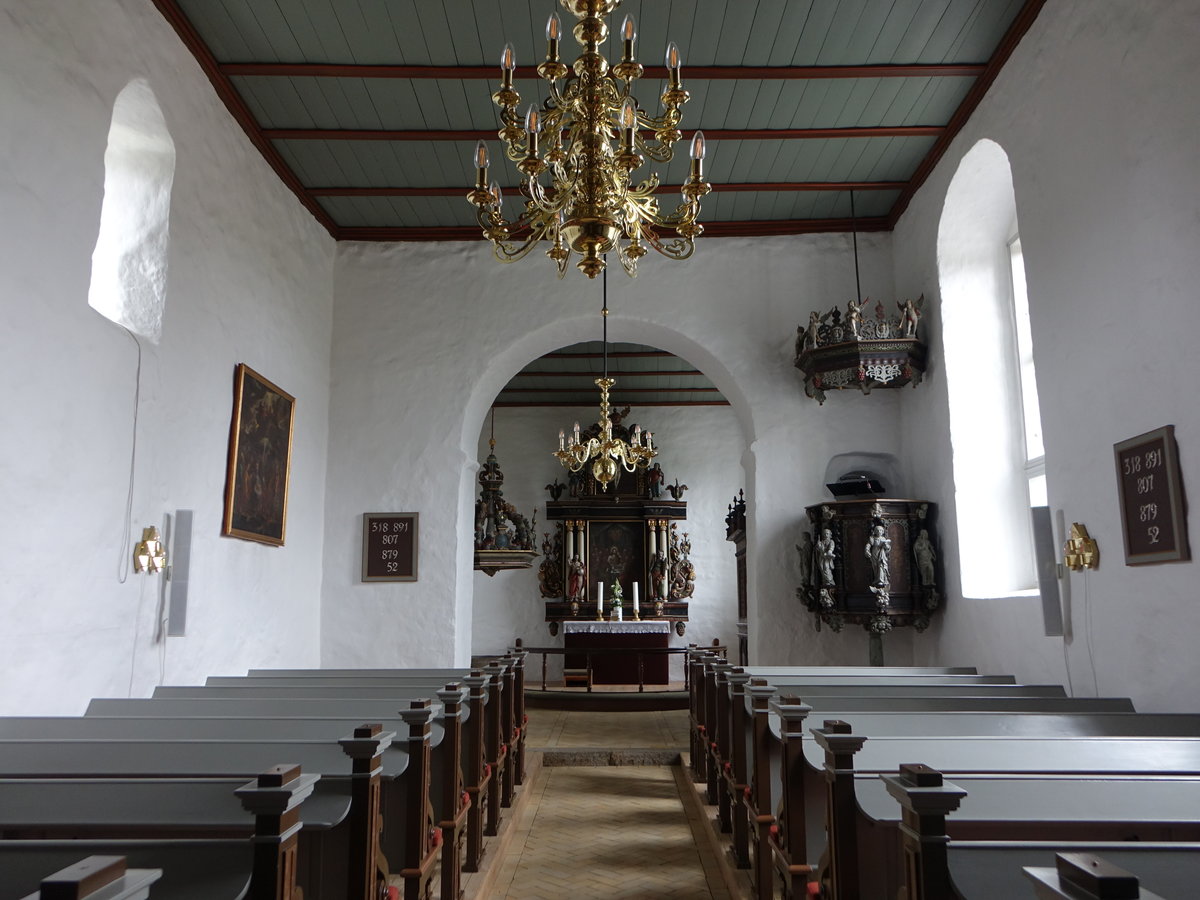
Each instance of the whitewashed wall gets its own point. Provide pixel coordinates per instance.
(250, 280)
(702, 447)
(1102, 140)
(426, 335)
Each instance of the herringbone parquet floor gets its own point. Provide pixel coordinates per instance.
(608, 833)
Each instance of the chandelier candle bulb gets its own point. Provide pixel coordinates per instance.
(508, 63)
(673, 62)
(553, 34)
(629, 35)
(562, 440)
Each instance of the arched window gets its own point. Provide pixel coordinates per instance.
(995, 424)
(129, 264)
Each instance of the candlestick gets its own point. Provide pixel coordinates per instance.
(635, 601)
(600, 600)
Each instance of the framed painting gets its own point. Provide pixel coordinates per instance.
(617, 552)
(260, 459)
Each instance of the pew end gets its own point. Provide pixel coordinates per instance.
(1085, 876)
(96, 877)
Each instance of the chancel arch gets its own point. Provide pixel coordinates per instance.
(701, 445)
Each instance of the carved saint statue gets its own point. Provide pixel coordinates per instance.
(924, 554)
(826, 551)
(574, 578)
(658, 574)
(805, 549)
(879, 545)
(854, 317)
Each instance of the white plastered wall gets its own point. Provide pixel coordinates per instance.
(250, 280)
(426, 335)
(1094, 112)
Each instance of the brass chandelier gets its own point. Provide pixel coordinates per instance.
(604, 450)
(591, 205)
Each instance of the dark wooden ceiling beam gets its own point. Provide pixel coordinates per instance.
(716, 134)
(706, 73)
(759, 228)
(566, 404)
(240, 111)
(623, 390)
(1020, 25)
(764, 186)
(633, 373)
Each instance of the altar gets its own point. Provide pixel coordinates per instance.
(610, 666)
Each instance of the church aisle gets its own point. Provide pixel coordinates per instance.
(617, 833)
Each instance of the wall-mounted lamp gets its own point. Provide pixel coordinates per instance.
(149, 554)
(1080, 551)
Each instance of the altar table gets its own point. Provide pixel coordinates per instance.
(620, 668)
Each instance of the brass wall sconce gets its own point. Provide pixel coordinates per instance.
(1080, 551)
(149, 554)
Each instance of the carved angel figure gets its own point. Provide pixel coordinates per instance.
(910, 315)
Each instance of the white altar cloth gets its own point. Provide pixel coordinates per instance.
(648, 626)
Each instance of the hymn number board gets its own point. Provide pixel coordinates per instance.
(389, 547)
(1151, 493)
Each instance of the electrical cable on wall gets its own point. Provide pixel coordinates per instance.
(125, 559)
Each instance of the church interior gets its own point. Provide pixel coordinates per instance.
(324, 345)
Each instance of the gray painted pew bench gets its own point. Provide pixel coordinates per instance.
(938, 866)
(98, 878)
(512, 665)
(354, 862)
(259, 862)
(479, 743)
(837, 756)
(483, 753)
(447, 788)
(774, 741)
(506, 737)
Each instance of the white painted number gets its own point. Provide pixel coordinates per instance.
(1148, 512)
(1145, 484)
(1153, 533)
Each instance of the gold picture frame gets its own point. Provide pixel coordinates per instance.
(260, 459)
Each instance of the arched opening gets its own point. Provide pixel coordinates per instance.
(702, 446)
(990, 379)
(129, 263)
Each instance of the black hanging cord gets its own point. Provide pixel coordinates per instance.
(604, 315)
(854, 234)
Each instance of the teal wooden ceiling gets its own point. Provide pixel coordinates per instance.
(369, 109)
(645, 376)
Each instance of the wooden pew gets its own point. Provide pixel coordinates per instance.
(259, 862)
(847, 755)
(774, 744)
(513, 664)
(484, 753)
(508, 679)
(98, 878)
(938, 866)
(374, 762)
(482, 748)
(725, 721)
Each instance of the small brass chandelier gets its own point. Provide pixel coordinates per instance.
(604, 450)
(591, 206)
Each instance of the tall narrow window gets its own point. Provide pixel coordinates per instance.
(1031, 414)
(995, 425)
(129, 264)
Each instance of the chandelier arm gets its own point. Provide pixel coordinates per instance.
(678, 248)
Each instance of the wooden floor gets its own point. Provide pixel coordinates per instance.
(587, 831)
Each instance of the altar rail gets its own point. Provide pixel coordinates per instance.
(547, 652)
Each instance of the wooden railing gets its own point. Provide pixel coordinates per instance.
(641, 653)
